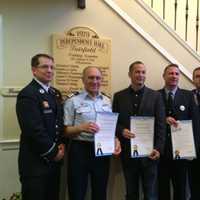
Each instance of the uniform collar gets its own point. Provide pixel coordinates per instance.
(87, 95)
(140, 91)
(45, 87)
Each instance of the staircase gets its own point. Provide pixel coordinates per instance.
(142, 19)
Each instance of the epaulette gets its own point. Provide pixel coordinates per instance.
(106, 95)
(70, 95)
(57, 93)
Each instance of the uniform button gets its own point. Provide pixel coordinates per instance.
(136, 95)
(57, 133)
(56, 126)
(135, 105)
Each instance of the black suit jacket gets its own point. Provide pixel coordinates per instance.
(151, 105)
(182, 99)
(41, 122)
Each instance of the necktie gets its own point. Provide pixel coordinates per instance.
(170, 104)
(198, 97)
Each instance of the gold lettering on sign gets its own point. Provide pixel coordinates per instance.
(76, 49)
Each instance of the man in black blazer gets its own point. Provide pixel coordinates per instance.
(139, 100)
(195, 164)
(179, 105)
(39, 113)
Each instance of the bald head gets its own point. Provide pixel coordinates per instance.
(92, 78)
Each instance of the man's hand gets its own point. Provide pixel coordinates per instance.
(61, 153)
(127, 134)
(155, 155)
(89, 127)
(171, 121)
(117, 147)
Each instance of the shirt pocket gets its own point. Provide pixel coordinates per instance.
(106, 108)
(83, 109)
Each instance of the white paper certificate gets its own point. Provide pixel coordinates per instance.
(105, 138)
(182, 140)
(142, 144)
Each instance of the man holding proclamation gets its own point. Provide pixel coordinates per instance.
(179, 105)
(195, 164)
(139, 100)
(80, 115)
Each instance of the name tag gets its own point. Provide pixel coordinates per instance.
(47, 111)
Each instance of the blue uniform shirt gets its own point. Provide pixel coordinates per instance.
(82, 108)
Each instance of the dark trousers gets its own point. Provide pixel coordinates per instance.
(82, 163)
(44, 187)
(144, 168)
(195, 179)
(175, 171)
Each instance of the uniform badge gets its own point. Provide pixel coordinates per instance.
(45, 104)
(182, 107)
(41, 91)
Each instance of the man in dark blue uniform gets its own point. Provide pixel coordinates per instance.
(39, 113)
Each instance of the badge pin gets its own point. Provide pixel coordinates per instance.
(182, 108)
(45, 104)
(41, 91)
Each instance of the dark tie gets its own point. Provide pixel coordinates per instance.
(170, 104)
(198, 96)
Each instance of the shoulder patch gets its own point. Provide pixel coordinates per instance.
(107, 95)
(70, 95)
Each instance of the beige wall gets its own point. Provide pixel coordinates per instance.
(27, 27)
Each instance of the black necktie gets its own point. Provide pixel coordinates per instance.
(198, 96)
(170, 104)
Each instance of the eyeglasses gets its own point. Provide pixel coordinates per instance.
(98, 78)
(45, 67)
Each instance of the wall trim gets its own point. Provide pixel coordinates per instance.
(11, 141)
(9, 145)
(124, 16)
(10, 91)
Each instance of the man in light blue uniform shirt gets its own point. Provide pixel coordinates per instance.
(79, 119)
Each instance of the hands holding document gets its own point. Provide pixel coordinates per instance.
(141, 135)
(182, 140)
(105, 141)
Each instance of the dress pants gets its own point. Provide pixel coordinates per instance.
(144, 168)
(195, 179)
(175, 171)
(83, 164)
(45, 187)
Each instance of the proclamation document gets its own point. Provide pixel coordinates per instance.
(142, 144)
(105, 138)
(183, 140)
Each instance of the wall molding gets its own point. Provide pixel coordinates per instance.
(11, 91)
(9, 145)
(10, 141)
(126, 18)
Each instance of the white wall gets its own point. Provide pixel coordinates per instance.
(27, 29)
